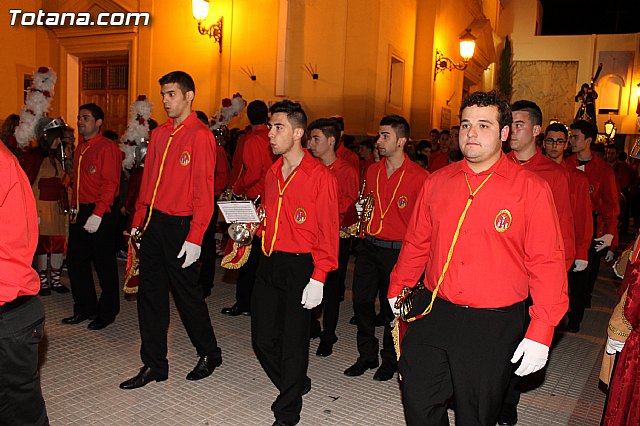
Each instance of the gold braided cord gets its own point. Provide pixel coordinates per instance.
(275, 226)
(383, 214)
(472, 195)
(155, 190)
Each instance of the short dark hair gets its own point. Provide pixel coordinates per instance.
(181, 78)
(202, 116)
(611, 146)
(588, 129)
(95, 110)
(424, 144)
(257, 112)
(340, 121)
(557, 127)
(111, 135)
(444, 132)
(368, 144)
(492, 98)
(397, 123)
(327, 126)
(597, 147)
(293, 110)
(535, 113)
(421, 157)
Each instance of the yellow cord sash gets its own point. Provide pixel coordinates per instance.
(155, 189)
(386, 210)
(472, 195)
(74, 215)
(275, 225)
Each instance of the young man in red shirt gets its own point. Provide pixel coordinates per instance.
(394, 182)
(92, 230)
(323, 134)
(300, 247)
(474, 297)
(173, 211)
(21, 312)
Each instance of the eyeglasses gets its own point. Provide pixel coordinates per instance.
(552, 142)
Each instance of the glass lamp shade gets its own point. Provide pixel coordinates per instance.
(467, 45)
(608, 127)
(200, 9)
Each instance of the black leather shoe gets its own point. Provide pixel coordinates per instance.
(145, 376)
(384, 373)
(282, 423)
(508, 415)
(235, 310)
(205, 366)
(307, 386)
(77, 319)
(98, 324)
(360, 367)
(324, 349)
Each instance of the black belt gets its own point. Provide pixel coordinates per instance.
(18, 301)
(396, 245)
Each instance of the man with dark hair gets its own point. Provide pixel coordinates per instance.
(342, 151)
(454, 142)
(255, 159)
(526, 127)
(323, 135)
(604, 202)
(300, 247)
(394, 182)
(21, 311)
(92, 228)
(173, 210)
(440, 158)
(474, 303)
(366, 156)
(555, 141)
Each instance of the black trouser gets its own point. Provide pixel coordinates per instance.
(371, 275)
(21, 330)
(332, 294)
(460, 352)
(593, 268)
(578, 294)
(161, 271)
(247, 275)
(98, 248)
(280, 327)
(208, 255)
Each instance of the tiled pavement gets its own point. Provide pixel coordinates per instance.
(82, 369)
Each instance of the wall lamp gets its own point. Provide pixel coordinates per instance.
(610, 129)
(200, 12)
(467, 47)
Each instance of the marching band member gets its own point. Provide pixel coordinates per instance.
(173, 211)
(395, 182)
(92, 229)
(323, 135)
(300, 247)
(487, 232)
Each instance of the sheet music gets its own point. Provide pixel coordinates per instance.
(238, 211)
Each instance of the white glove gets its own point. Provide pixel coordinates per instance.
(192, 252)
(312, 294)
(603, 242)
(614, 346)
(92, 224)
(392, 303)
(359, 208)
(534, 356)
(609, 256)
(581, 265)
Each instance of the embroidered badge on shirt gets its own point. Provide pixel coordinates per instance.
(92, 168)
(185, 158)
(300, 216)
(403, 201)
(503, 220)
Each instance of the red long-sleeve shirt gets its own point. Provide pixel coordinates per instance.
(348, 187)
(308, 219)
(604, 193)
(187, 183)
(99, 174)
(19, 230)
(256, 160)
(395, 198)
(349, 156)
(558, 180)
(236, 161)
(221, 174)
(509, 244)
(581, 207)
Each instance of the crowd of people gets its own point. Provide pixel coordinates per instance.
(470, 324)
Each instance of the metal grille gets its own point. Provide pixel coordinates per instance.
(118, 76)
(94, 77)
